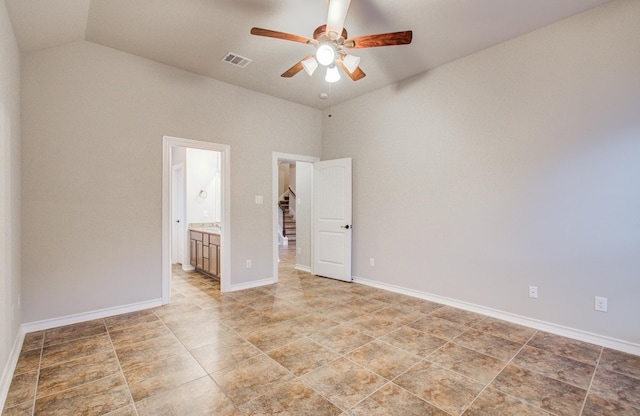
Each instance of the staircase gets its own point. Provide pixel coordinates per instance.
(288, 221)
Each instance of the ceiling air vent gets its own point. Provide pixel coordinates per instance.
(236, 60)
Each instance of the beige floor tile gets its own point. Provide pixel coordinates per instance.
(28, 361)
(620, 362)
(383, 359)
(492, 403)
(414, 341)
(373, 325)
(479, 367)
(75, 331)
(130, 320)
(74, 349)
(555, 366)
(202, 333)
(392, 400)
(341, 313)
(124, 411)
(367, 305)
(22, 409)
(617, 387)
(274, 336)
(512, 332)
(250, 379)
(437, 327)
(22, 389)
(399, 314)
(224, 353)
(540, 391)
(33, 341)
(442, 388)
(201, 397)
(599, 406)
(156, 376)
(126, 337)
(343, 382)
(95, 398)
(341, 338)
(566, 347)
(303, 356)
(69, 374)
(458, 316)
(311, 323)
(488, 344)
(291, 399)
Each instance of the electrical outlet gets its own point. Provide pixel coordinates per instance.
(601, 304)
(249, 264)
(372, 262)
(533, 292)
(259, 200)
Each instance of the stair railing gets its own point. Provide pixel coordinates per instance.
(282, 232)
(292, 203)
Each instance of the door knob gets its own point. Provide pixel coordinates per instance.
(346, 226)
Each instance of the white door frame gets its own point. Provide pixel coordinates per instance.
(276, 159)
(225, 239)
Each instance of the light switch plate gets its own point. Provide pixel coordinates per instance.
(259, 199)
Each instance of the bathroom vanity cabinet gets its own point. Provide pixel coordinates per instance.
(205, 251)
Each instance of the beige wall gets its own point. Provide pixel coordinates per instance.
(515, 166)
(10, 316)
(94, 119)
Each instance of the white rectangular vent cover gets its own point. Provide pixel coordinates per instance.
(236, 60)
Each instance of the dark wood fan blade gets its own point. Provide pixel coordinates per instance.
(356, 75)
(296, 68)
(280, 35)
(383, 39)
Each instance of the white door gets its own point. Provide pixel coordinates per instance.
(332, 219)
(177, 213)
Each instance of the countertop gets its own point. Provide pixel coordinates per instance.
(208, 228)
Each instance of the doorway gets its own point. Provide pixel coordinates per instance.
(169, 144)
(303, 203)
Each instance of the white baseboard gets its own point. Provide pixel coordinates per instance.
(10, 367)
(550, 327)
(303, 268)
(88, 316)
(252, 284)
(187, 267)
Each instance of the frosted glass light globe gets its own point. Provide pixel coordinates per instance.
(325, 55)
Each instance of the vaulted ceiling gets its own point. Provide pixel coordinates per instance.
(195, 35)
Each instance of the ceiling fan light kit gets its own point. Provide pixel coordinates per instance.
(333, 75)
(331, 40)
(351, 62)
(326, 54)
(310, 65)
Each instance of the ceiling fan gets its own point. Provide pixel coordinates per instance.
(332, 43)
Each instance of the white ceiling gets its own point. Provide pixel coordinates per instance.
(194, 35)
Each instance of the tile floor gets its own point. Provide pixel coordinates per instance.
(313, 346)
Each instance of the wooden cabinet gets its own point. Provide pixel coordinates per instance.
(205, 252)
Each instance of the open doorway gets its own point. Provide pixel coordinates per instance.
(292, 182)
(176, 244)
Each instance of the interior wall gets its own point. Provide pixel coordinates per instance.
(10, 275)
(512, 167)
(93, 123)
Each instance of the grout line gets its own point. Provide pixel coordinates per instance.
(35, 392)
(500, 372)
(126, 383)
(593, 377)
